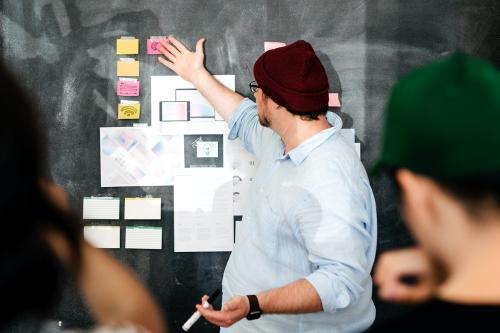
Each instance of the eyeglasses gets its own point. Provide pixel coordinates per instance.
(253, 86)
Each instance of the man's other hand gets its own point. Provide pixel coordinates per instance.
(232, 311)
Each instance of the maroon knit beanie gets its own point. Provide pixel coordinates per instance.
(293, 77)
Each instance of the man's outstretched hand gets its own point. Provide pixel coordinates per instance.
(188, 65)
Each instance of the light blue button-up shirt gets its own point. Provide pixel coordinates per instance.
(311, 214)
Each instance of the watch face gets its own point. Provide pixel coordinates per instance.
(253, 315)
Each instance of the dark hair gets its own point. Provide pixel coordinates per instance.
(477, 194)
(478, 197)
(309, 115)
(30, 272)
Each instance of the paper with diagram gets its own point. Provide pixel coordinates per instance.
(134, 156)
(178, 108)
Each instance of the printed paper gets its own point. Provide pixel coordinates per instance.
(134, 156)
(203, 219)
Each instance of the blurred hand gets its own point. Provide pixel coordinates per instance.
(178, 58)
(393, 266)
(232, 311)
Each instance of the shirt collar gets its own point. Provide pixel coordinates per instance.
(299, 153)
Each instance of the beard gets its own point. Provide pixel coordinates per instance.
(264, 121)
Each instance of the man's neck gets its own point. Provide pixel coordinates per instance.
(295, 131)
(474, 270)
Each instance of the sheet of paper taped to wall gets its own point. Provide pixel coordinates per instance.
(135, 156)
(203, 219)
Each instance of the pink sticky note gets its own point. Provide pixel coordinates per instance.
(154, 45)
(128, 88)
(272, 45)
(333, 100)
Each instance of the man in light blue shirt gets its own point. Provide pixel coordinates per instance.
(309, 233)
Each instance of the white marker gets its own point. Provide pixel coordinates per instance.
(194, 318)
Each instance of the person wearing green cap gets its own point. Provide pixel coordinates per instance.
(441, 143)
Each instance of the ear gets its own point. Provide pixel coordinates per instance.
(416, 193)
(270, 103)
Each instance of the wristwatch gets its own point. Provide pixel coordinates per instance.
(255, 310)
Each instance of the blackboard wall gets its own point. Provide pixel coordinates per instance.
(64, 53)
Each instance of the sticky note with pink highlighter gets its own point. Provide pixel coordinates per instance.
(272, 45)
(128, 87)
(154, 44)
(333, 100)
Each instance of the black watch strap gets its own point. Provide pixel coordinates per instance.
(255, 310)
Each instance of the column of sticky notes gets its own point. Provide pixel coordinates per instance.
(128, 69)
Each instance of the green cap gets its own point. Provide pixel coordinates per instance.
(443, 121)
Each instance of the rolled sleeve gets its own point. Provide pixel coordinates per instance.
(244, 124)
(334, 227)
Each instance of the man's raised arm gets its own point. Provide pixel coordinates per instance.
(189, 65)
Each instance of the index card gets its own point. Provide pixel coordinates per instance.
(142, 208)
(143, 238)
(102, 236)
(101, 208)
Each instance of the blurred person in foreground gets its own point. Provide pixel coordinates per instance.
(441, 144)
(41, 243)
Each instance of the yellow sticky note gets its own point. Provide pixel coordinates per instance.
(127, 46)
(127, 68)
(129, 110)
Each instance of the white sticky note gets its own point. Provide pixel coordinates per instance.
(142, 208)
(143, 238)
(101, 208)
(357, 147)
(349, 134)
(104, 237)
(207, 149)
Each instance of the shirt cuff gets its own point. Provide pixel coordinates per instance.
(234, 124)
(332, 298)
